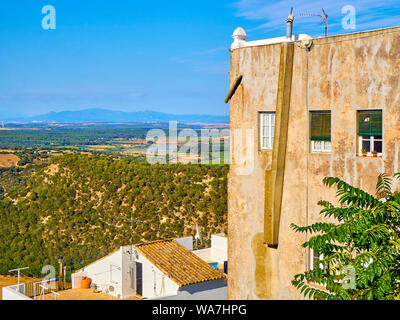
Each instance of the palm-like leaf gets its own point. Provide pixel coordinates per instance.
(350, 195)
(384, 186)
(366, 236)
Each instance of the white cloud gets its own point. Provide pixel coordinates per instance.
(272, 14)
(210, 51)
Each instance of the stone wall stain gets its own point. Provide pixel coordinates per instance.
(262, 272)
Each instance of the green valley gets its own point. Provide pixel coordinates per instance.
(71, 205)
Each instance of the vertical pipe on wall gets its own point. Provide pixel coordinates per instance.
(307, 259)
(289, 25)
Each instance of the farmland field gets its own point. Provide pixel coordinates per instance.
(8, 160)
(118, 140)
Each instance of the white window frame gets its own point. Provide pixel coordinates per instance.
(311, 260)
(267, 130)
(321, 146)
(371, 140)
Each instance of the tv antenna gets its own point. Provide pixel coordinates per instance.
(19, 272)
(131, 221)
(198, 235)
(323, 16)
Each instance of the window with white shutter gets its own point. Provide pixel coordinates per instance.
(267, 128)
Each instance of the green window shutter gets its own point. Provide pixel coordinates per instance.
(370, 123)
(321, 126)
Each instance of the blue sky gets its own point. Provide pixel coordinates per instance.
(167, 56)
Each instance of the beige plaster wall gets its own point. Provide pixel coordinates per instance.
(342, 74)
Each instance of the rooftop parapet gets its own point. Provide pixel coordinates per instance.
(240, 37)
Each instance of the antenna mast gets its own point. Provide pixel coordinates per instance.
(19, 271)
(198, 235)
(323, 16)
(131, 221)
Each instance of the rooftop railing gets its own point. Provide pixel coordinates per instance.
(39, 289)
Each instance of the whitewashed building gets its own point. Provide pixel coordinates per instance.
(165, 269)
(217, 254)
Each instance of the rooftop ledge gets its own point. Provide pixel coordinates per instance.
(240, 37)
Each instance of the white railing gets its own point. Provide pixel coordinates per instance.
(44, 287)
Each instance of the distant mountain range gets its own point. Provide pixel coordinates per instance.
(110, 116)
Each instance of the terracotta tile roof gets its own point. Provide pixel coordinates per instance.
(178, 263)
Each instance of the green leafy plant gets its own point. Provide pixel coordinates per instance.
(360, 251)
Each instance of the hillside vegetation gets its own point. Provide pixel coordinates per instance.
(71, 207)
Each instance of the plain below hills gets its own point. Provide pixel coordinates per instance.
(111, 116)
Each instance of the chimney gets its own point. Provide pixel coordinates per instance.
(289, 25)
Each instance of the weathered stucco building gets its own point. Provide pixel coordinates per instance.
(303, 109)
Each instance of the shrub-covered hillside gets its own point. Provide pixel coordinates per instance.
(71, 207)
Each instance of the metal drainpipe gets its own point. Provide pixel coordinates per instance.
(308, 154)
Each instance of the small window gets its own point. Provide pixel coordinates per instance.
(370, 138)
(315, 257)
(267, 129)
(321, 132)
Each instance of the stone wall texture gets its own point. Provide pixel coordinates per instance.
(343, 74)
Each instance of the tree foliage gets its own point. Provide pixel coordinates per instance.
(360, 250)
(72, 205)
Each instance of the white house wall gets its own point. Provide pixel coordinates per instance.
(14, 293)
(128, 262)
(105, 272)
(219, 243)
(170, 287)
(187, 242)
(204, 254)
(218, 251)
